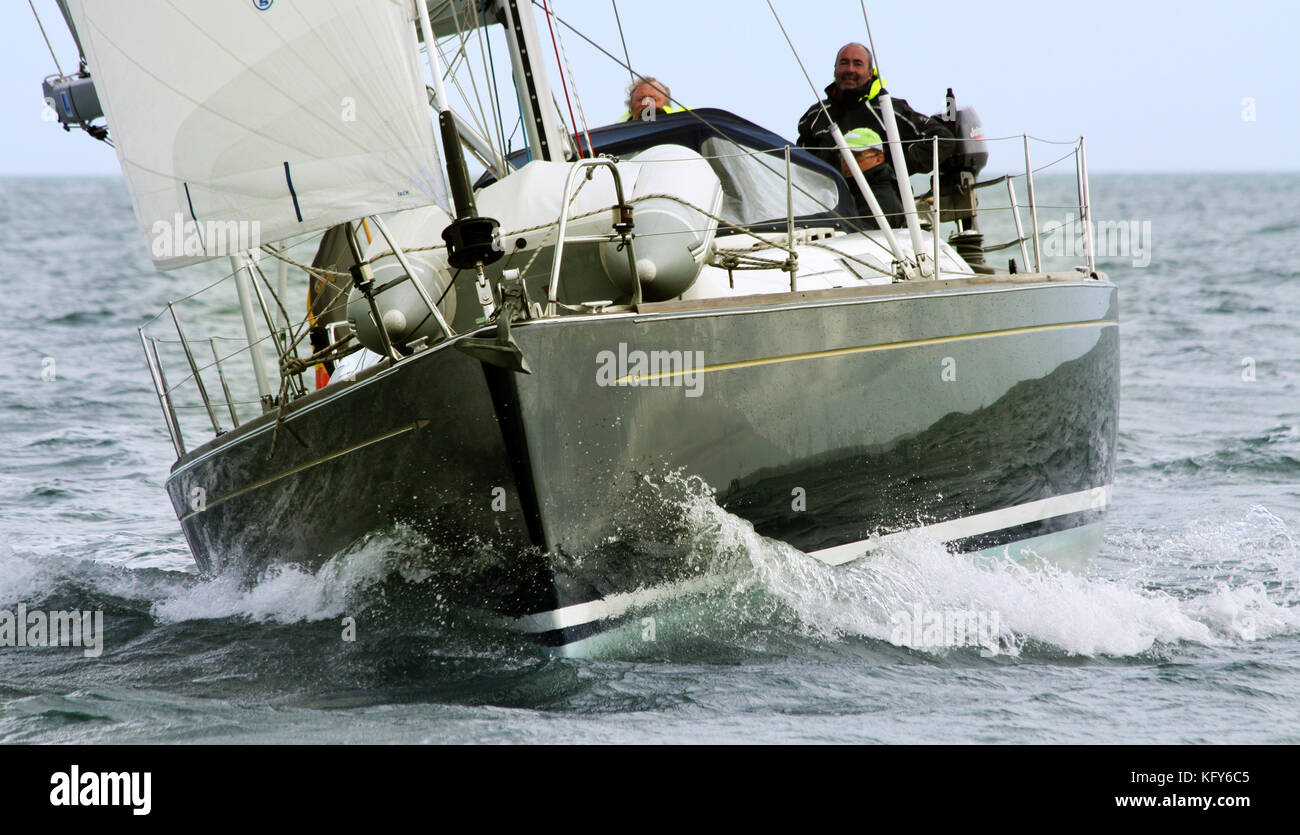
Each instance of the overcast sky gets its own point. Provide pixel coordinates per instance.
(1155, 86)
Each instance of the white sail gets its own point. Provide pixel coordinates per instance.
(451, 17)
(260, 119)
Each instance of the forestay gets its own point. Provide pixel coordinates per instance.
(278, 118)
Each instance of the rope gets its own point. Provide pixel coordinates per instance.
(740, 261)
(727, 260)
(292, 366)
(553, 227)
(849, 257)
(317, 272)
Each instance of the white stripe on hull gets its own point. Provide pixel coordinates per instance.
(614, 605)
(618, 604)
(982, 523)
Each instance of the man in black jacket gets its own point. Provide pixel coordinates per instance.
(853, 102)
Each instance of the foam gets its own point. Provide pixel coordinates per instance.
(1086, 615)
(284, 594)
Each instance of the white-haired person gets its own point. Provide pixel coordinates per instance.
(647, 99)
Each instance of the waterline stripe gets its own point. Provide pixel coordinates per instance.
(840, 352)
(306, 466)
(995, 520)
(617, 604)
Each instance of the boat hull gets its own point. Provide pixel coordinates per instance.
(983, 409)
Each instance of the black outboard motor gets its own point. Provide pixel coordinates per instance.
(957, 176)
(972, 152)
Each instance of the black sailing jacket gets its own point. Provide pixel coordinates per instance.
(861, 109)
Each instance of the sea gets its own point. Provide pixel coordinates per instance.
(1184, 629)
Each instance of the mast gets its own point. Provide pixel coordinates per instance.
(543, 131)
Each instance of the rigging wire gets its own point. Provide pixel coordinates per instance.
(496, 91)
(47, 37)
(830, 209)
(875, 58)
(577, 97)
(731, 260)
(816, 93)
(619, 21)
(489, 72)
(564, 84)
(799, 61)
(479, 116)
(485, 124)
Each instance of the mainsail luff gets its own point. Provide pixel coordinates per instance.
(72, 28)
(260, 121)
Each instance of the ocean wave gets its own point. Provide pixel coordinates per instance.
(1038, 609)
(290, 593)
(1279, 228)
(1203, 584)
(1274, 453)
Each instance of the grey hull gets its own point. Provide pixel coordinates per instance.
(822, 418)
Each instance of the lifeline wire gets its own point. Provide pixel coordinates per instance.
(705, 122)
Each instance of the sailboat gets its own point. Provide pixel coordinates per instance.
(504, 364)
